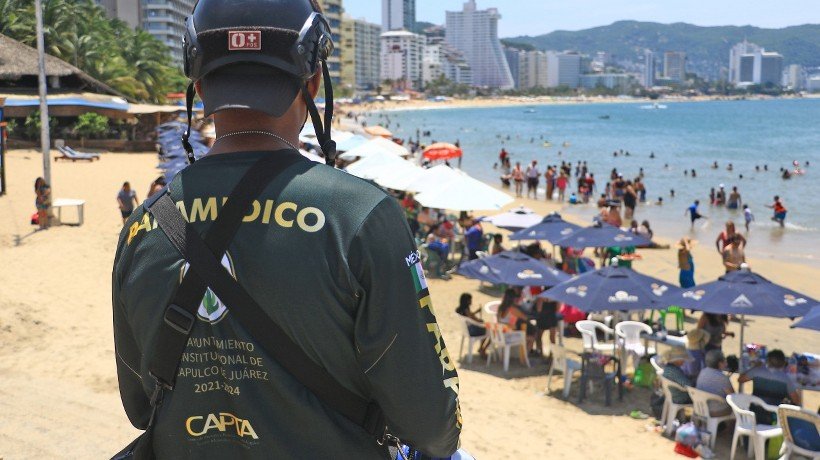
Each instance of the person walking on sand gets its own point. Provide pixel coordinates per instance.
(127, 200)
(42, 202)
(748, 216)
(549, 176)
(313, 335)
(694, 215)
(727, 234)
(533, 174)
(779, 211)
(518, 179)
(561, 183)
(686, 263)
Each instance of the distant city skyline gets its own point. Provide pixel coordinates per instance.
(543, 17)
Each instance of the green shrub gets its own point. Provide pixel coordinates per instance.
(91, 125)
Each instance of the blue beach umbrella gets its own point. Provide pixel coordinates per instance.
(744, 293)
(512, 268)
(613, 288)
(601, 235)
(811, 320)
(551, 229)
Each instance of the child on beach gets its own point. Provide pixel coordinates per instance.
(748, 216)
(779, 211)
(693, 212)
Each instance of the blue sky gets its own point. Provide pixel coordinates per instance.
(534, 17)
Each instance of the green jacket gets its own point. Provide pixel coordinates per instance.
(331, 260)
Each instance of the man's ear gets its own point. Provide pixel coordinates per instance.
(315, 82)
(198, 88)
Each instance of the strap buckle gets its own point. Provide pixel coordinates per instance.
(179, 319)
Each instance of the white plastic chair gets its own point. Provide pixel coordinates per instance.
(465, 335)
(655, 361)
(491, 310)
(630, 334)
(747, 425)
(670, 408)
(700, 408)
(588, 330)
(503, 342)
(567, 366)
(785, 414)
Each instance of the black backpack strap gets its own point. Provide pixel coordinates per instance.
(180, 316)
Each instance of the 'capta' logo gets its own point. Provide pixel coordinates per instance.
(200, 426)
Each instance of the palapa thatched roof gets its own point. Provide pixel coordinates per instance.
(18, 60)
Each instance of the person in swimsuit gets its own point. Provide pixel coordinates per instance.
(693, 212)
(779, 211)
(518, 178)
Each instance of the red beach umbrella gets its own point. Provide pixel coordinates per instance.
(442, 151)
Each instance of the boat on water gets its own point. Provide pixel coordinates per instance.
(547, 144)
(566, 144)
(604, 117)
(529, 111)
(654, 106)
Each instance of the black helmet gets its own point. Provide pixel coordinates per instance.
(258, 54)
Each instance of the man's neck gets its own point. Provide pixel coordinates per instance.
(282, 133)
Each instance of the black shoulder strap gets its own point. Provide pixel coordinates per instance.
(180, 316)
(205, 265)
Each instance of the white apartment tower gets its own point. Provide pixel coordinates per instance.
(735, 55)
(165, 20)
(532, 70)
(398, 15)
(361, 53)
(127, 11)
(401, 56)
(474, 32)
(563, 69)
(674, 65)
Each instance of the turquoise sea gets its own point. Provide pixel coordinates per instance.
(684, 136)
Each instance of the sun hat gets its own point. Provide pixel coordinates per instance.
(676, 354)
(696, 339)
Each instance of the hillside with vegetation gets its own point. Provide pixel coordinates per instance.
(77, 31)
(707, 48)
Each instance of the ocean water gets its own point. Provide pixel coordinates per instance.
(684, 136)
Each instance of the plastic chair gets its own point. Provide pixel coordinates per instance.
(700, 408)
(568, 368)
(491, 310)
(805, 425)
(680, 317)
(592, 370)
(502, 341)
(670, 409)
(655, 361)
(589, 334)
(465, 335)
(630, 334)
(747, 425)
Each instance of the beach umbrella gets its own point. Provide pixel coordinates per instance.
(811, 320)
(463, 193)
(379, 131)
(442, 151)
(399, 179)
(375, 146)
(742, 293)
(601, 235)
(551, 228)
(433, 178)
(613, 288)
(515, 219)
(374, 167)
(512, 268)
(343, 145)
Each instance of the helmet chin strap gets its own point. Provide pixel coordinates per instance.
(327, 144)
(189, 105)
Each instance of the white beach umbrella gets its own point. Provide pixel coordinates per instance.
(375, 146)
(312, 156)
(464, 193)
(515, 219)
(433, 178)
(376, 166)
(400, 179)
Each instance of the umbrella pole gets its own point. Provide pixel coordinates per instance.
(740, 355)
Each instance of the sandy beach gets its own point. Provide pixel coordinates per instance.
(58, 385)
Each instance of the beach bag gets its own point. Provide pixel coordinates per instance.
(688, 435)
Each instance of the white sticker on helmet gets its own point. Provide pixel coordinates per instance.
(244, 40)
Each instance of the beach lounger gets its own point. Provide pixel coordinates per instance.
(68, 154)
